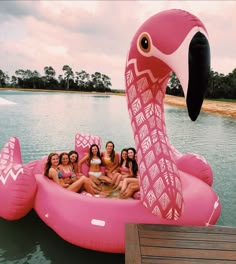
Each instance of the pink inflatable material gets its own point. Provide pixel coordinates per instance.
(175, 188)
(17, 184)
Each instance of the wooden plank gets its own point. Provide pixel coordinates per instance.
(189, 229)
(189, 253)
(216, 245)
(183, 261)
(132, 246)
(183, 244)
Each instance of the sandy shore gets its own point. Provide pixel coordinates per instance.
(209, 106)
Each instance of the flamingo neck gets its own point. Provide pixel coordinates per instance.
(160, 184)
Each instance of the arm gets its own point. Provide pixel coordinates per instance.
(85, 158)
(115, 164)
(52, 174)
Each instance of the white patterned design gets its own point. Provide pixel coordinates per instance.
(143, 132)
(156, 211)
(146, 184)
(7, 166)
(178, 200)
(161, 137)
(164, 200)
(84, 141)
(169, 166)
(158, 149)
(146, 96)
(149, 111)
(11, 173)
(136, 106)
(151, 122)
(158, 111)
(142, 168)
(159, 122)
(166, 178)
(159, 96)
(129, 77)
(142, 84)
(159, 187)
(162, 164)
(151, 198)
(132, 94)
(154, 136)
(149, 158)
(146, 144)
(165, 149)
(154, 170)
(140, 119)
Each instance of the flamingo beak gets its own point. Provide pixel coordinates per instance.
(199, 69)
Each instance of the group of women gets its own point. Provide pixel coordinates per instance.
(107, 168)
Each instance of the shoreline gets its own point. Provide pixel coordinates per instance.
(227, 109)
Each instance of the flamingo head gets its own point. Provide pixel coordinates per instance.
(173, 41)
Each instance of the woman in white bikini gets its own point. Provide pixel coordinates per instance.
(94, 161)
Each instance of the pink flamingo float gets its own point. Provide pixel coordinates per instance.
(175, 188)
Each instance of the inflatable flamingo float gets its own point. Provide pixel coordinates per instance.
(175, 188)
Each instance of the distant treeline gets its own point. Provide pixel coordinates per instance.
(220, 86)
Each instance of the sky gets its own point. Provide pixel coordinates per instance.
(95, 35)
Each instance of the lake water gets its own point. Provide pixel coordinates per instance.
(46, 122)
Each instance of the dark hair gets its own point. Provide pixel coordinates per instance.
(91, 153)
(113, 153)
(134, 162)
(61, 155)
(122, 160)
(73, 152)
(49, 163)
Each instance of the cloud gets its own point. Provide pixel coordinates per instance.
(95, 35)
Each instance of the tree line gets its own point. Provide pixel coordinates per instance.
(220, 86)
(69, 80)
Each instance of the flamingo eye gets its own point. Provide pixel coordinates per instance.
(144, 42)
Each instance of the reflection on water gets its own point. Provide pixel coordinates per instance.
(29, 240)
(46, 122)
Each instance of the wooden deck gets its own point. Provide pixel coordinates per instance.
(179, 244)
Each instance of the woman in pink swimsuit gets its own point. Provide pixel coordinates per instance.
(53, 173)
(124, 170)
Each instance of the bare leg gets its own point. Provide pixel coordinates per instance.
(130, 190)
(77, 185)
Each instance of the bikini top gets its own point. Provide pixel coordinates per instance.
(124, 169)
(95, 161)
(107, 161)
(63, 174)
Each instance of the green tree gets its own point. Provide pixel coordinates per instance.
(174, 87)
(4, 78)
(82, 79)
(69, 75)
(106, 82)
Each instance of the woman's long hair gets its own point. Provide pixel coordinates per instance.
(61, 155)
(73, 152)
(122, 160)
(91, 153)
(134, 162)
(113, 153)
(49, 163)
